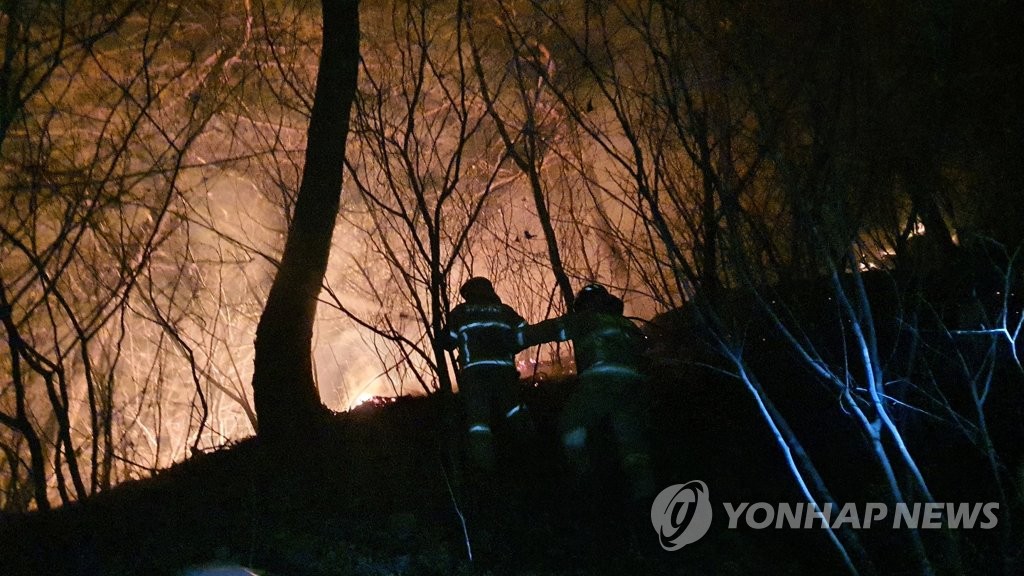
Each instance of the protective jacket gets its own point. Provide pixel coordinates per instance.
(603, 343)
(486, 334)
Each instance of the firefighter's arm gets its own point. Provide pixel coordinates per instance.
(553, 330)
(446, 339)
(519, 326)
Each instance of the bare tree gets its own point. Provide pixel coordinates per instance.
(287, 399)
(420, 196)
(113, 123)
(91, 207)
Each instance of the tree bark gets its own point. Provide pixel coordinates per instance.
(284, 388)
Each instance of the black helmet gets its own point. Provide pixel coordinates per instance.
(478, 289)
(596, 298)
(589, 297)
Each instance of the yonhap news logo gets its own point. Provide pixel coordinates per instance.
(682, 513)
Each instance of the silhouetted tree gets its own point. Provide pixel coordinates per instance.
(284, 387)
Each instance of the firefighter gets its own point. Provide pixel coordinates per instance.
(487, 334)
(610, 363)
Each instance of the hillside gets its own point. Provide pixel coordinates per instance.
(375, 500)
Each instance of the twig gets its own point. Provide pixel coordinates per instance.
(458, 512)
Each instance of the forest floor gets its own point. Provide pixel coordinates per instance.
(389, 499)
(377, 492)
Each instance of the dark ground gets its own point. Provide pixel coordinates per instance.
(382, 505)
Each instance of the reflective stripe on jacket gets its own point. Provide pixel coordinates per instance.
(484, 334)
(602, 343)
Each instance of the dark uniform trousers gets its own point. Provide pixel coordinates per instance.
(489, 396)
(616, 394)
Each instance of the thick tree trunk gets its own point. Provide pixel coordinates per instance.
(285, 393)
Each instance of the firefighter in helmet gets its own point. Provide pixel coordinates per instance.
(610, 363)
(487, 335)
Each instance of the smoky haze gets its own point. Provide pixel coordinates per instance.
(150, 154)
